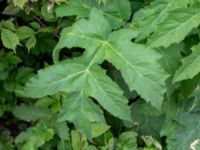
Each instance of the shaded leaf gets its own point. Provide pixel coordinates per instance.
(190, 67)
(31, 113)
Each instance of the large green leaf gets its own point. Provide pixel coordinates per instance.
(117, 12)
(147, 20)
(82, 78)
(137, 63)
(176, 26)
(77, 77)
(190, 67)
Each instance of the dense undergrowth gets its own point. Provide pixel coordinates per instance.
(99, 75)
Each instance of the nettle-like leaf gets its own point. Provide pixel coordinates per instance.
(31, 42)
(9, 39)
(117, 12)
(190, 67)
(147, 20)
(8, 24)
(24, 32)
(176, 26)
(137, 63)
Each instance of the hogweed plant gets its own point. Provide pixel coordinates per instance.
(100, 75)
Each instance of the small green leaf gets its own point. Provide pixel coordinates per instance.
(31, 42)
(11, 9)
(98, 129)
(24, 32)
(127, 141)
(62, 131)
(10, 40)
(78, 141)
(8, 24)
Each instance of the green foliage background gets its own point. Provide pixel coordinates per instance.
(100, 75)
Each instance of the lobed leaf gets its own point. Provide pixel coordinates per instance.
(176, 27)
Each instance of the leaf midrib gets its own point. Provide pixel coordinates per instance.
(104, 43)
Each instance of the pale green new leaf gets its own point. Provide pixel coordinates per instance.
(19, 3)
(137, 63)
(98, 129)
(147, 20)
(30, 43)
(117, 12)
(176, 26)
(9, 39)
(190, 67)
